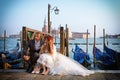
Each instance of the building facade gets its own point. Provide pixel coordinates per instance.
(45, 27)
(80, 35)
(14, 36)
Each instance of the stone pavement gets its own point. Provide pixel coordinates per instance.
(22, 75)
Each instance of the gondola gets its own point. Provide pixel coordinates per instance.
(81, 57)
(11, 57)
(108, 59)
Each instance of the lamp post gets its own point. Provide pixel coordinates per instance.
(56, 10)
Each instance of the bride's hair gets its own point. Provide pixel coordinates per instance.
(48, 45)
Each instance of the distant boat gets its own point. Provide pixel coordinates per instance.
(15, 49)
(71, 38)
(81, 57)
(1, 38)
(109, 59)
(18, 39)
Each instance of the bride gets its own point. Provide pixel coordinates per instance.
(58, 64)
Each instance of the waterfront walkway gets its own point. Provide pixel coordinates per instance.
(22, 75)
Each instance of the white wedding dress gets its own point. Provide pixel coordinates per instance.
(62, 65)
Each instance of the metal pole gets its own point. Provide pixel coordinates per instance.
(49, 26)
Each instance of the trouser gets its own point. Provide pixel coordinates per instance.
(33, 60)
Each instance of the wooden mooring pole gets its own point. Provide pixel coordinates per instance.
(94, 45)
(86, 47)
(55, 38)
(67, 41)
(24, 37)
(21, 40)
(4, 40)
(87, 42)
(24, 42)
(62, 42)
(103, 39)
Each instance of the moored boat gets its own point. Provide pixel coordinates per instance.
(11, 58)
(108, 59)
(81, 57)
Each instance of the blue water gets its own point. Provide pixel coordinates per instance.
(112, 43)
(10, 44)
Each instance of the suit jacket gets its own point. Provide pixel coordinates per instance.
(31, 46)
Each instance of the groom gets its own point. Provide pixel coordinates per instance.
(34, 49)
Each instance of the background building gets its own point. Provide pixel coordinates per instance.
(14, 36)
(55, 32)
(80, 35)
(45, 27)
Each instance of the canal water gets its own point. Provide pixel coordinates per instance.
(111, 43)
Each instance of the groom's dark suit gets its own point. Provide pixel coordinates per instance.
(33, 53)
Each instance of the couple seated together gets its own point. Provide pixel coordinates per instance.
(45, 58)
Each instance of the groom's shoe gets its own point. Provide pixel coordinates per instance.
(29, 70)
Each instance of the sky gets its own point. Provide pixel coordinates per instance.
(79, 15)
